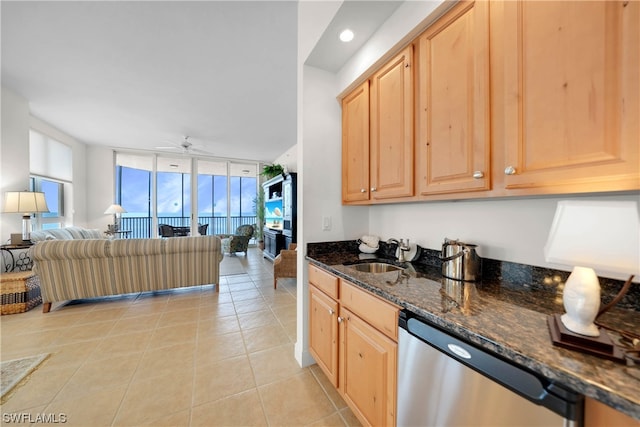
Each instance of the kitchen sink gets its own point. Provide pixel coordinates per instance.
(375, 267)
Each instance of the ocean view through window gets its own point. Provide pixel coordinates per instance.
(158, 190)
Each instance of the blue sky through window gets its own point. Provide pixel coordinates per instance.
(174, 194)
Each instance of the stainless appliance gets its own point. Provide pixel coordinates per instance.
(444, 381)
(460, 261)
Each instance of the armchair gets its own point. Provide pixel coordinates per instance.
(285, 264)
(166, 230)
(237, 242)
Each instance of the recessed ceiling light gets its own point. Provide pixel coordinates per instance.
(346, 35)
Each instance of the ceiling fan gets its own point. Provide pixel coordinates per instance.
(185, 147)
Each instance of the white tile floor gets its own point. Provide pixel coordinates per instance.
(188, 357)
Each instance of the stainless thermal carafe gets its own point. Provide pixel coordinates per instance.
(460, 261)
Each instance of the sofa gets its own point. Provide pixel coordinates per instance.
(88, 268)
(67, 233)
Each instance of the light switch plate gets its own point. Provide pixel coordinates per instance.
(326, 223)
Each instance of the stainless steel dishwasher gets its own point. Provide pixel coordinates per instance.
(444, 381)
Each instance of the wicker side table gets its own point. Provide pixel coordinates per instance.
(20, 292)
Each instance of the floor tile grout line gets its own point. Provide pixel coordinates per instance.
(128, 387)
(326, 393)
(253, 373)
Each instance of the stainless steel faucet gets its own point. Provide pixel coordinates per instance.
(404, 247)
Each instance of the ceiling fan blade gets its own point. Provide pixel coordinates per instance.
(197, 150)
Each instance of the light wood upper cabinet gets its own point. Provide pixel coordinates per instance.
(391, 135)
(453, 136)
(355, 145)
(512, 98)
(571, 94)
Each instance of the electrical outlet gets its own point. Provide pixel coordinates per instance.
(326, 223)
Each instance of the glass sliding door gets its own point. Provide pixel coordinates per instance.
(157, 190)
(173, 192)
(243, 182)
(212, 196)
(134, 179)
(226, 191)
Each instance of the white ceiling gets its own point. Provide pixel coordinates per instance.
(360, 16)
(145, 74)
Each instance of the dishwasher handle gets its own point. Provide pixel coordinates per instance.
(529, 385)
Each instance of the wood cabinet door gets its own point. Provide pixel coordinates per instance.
(355, 145)
(597, 414)
(453, 101)
(392, 143)
(368, 362)
(571, 94)
(323, 333)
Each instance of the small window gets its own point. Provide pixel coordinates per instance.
(54, 195)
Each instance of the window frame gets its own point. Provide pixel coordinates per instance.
(46, 220)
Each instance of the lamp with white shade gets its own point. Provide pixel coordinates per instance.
(595, 238)
(116, 210)
(26, 203)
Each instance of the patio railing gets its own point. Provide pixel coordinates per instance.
(141, 227)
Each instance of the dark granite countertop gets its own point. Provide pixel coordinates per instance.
(505, 318)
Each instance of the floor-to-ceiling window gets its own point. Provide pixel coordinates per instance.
(158, 190)
(213, 195)
(133, 192)
(243, 189)
(173, 191)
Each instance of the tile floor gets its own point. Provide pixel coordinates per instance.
(189, 357)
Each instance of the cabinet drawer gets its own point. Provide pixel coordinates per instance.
(324, 281)
(377, 312)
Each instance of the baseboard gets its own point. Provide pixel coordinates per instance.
(303, 356)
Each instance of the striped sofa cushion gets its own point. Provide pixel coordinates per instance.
(194, 260)
(138, 264)
(66, 233)
(71, 269)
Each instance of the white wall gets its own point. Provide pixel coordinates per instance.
(14, 156)
(313, 18)
(504, 229)
(322, 159)
(100, 181)
(289, 159)
(14, 161)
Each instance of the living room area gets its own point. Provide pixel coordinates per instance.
(189, 356)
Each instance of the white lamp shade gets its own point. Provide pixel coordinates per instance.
(113, 209)
(25, 202)
(603, 235)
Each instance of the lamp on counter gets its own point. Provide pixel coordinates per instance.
(116, 210)
(591, 236)
(26, 203)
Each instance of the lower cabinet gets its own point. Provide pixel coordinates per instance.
(353, 338)
(367, 371)
(274, 242)
(597, 414)
(323, 339)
